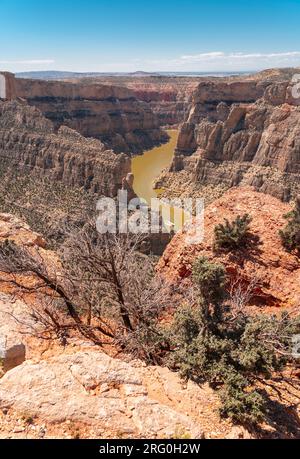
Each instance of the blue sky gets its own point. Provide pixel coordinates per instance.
(188, 35)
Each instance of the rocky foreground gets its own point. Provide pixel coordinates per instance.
(48, 390)
(78, 390)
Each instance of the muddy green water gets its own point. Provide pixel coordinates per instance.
(147, 167)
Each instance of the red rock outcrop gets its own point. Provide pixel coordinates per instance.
(277, 271)
(30, 143)
(110, 113)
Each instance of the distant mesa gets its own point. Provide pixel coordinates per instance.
(59, 75)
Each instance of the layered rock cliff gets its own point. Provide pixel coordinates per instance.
(110, 113)
(169, 98)
(242, 133)
(30, 143)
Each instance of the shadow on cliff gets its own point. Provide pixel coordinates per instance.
(283, 419)
(251, 251)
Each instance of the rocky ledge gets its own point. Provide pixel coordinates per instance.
(92, 388)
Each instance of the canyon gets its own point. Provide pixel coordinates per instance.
(237, 144)
(109, 113)
(240, 130)
(238, 133)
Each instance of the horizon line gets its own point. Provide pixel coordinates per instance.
(152, 71)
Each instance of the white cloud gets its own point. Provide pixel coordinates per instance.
(221, 61)
(220, 56)
(203, 56)
(206, 62)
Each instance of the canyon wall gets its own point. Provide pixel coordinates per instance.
(109, 113)
(242, 133)
(30, 143)
(212, 102)
(169, 98)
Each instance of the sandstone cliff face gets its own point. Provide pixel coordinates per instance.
(277, 271)
(29, 142)
(109, 113)
(212, 102)
(245, 133)
(169, 98)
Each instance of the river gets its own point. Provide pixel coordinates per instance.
(146, 168)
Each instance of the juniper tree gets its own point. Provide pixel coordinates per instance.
(229, 349)
(232, 235)
(290, 235)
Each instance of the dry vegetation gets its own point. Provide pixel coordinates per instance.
(106, 291)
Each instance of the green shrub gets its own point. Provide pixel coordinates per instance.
(231, 351)
(290, 235)
(232, 235)
(210, 279)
